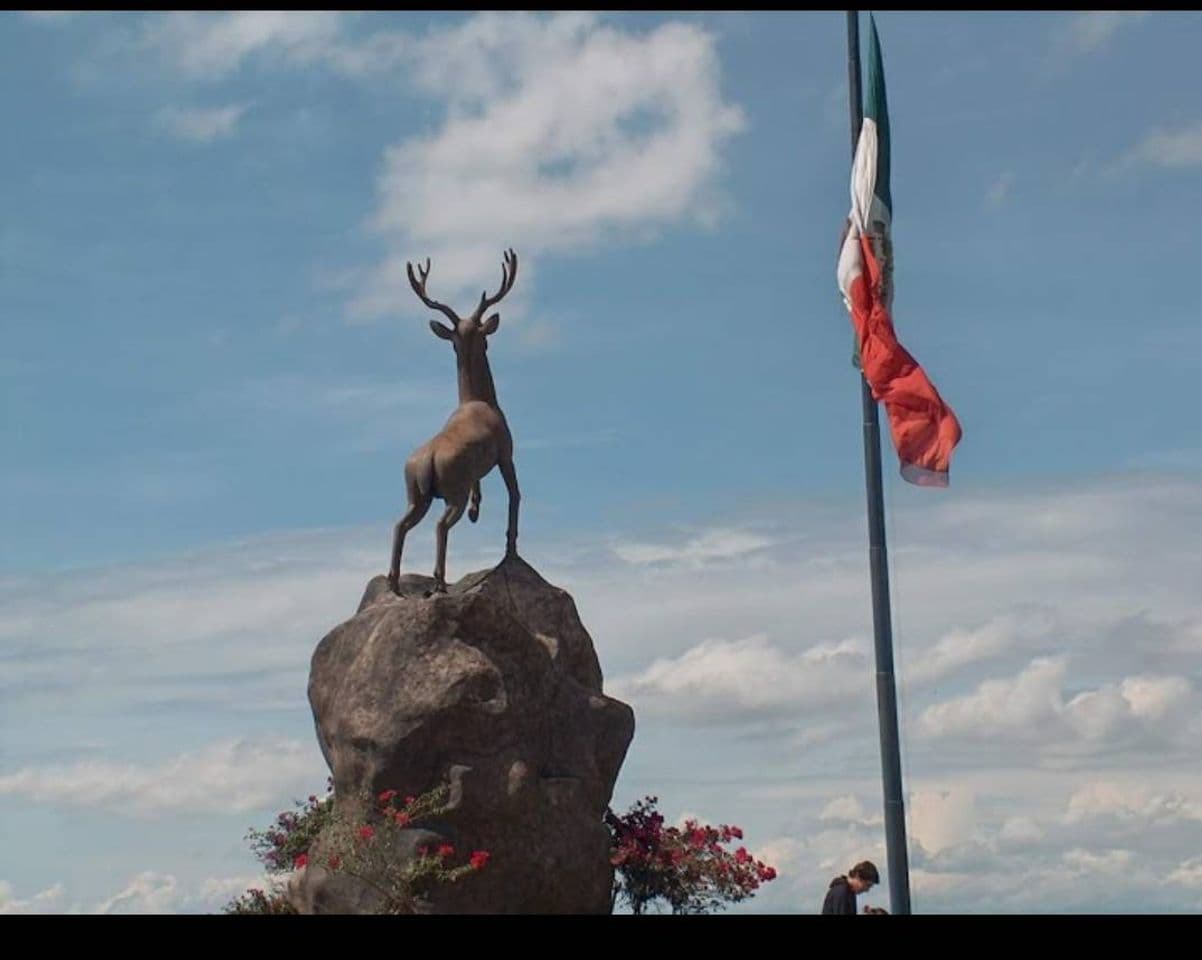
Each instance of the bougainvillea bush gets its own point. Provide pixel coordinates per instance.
(365, 849)
(688, 868)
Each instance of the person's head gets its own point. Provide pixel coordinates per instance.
(863, 876)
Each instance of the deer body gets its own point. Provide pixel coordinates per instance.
(476, 438)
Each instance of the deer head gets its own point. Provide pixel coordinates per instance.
(467, 335)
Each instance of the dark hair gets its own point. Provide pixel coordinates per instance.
(865, 870)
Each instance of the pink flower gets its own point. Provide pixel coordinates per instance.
(736, 833)
(479, 859)
(409, 801)
(301, 861)
(446, 851)
(741, 855)
(366, 833)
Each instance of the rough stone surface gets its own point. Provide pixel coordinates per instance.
(494, 686)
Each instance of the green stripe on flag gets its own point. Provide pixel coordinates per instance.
(877, 108)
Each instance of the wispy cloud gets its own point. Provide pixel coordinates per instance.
(710, 545)
(1069, 611)
(1034, 706)
(229, 777)
(558, 129)
(1092, 32)
(212, 45)
(1173, 148)
(49, 900)
(200, 124)
(719, 680)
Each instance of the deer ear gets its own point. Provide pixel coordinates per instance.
(490, 325)
(442, 330)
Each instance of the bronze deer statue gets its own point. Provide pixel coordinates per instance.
(475, 439)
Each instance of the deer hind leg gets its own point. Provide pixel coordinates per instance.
(474, 510)
(449, 518)
(419, 503)
(515, 498)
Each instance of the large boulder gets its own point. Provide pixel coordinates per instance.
(496, 688)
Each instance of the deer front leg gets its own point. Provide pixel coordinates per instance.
(453, 512)
(515, 498)
(411, 519)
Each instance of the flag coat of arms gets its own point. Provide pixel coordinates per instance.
(924, 428)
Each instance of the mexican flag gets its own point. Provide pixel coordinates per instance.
(924, 428)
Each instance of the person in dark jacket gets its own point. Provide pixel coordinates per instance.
(841, 896)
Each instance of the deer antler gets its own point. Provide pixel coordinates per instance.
(509, 271)
(420, 290)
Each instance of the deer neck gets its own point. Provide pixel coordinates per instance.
(475, 381)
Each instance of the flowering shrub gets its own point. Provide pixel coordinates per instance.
(688, 868)
(281, 845)
(256, 901)
(367, 851)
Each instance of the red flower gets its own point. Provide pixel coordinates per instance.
(741, 855)
(409, 801)
(402, 819)
(446, 851)
(736, 833)
(301, 861)
(768, 873)
(366, 833)
(479, 859)
(334, 862)
(387, 795)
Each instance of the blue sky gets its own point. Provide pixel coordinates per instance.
(212, 371)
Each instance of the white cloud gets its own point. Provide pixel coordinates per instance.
(1092, 32)
(1130, 802)
(148, 892)
(848, 809)
(228, 777)
(744, 678)
(962, 647)
(1188, 873)
(710, 545)
(1032, 707)
(200, 124)
(210, 45)
(1180, 147)
(560, 131)
(940, 819)
(1021, 830)
(1107, 862)
(49, 900)
(1079, 603)
(1020, 707)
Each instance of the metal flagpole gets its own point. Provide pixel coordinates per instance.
(886, 695)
